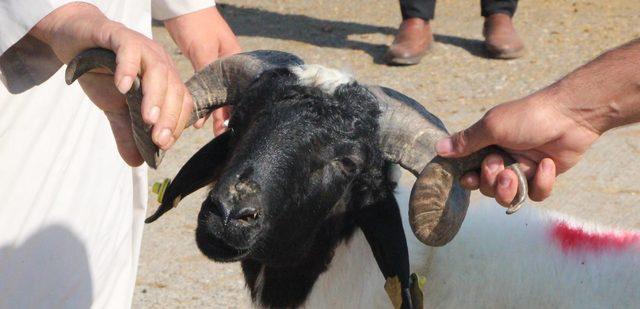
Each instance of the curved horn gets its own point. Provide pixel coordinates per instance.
(438, 204)
(218, 84)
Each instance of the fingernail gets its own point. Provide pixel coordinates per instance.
(154, 114)
(546, 166)
(504, 182)
(172, 141)
(164, 138)
(493, 164)
(444, 146)
(125, 84)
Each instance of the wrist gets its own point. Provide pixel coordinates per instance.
(201, 55)
(73, 28)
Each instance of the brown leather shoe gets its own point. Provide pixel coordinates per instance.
(411, 43)
(501, 39)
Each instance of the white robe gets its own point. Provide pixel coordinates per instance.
(71, 210)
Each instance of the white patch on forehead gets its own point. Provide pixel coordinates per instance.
(326, 79)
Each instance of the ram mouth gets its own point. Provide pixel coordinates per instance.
(216, 249)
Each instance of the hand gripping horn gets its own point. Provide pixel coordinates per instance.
(438, 204)
(220, 83)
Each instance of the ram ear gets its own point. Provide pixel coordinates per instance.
(201, 169)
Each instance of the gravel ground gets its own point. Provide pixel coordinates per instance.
(455, 81)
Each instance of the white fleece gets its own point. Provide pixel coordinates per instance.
(322, 77)
(498, 261)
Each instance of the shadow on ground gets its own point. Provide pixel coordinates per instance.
(255, 22)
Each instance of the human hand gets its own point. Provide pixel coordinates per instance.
(537, 131)
(166, 104)
(203, 37)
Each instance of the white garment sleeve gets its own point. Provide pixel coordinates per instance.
(17, 17)
(24, 60)
(165, 9)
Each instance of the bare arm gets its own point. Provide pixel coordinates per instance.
(204, 36)
(549, 131)
(605, 93)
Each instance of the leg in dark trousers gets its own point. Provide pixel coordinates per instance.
(501, 39)
(490, 7)
(423, 9)
(414, 35)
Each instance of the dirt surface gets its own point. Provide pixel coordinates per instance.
(455, 81)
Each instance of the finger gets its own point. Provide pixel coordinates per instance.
(543, 180)
(200, 122)
(102, 92)
(219, 117)
(121, 129)
(166, 127)
(154, 89)
(527, 166)
(492, 165)
(466, 141)
(185, 113)
(470, 181)
(506, 187)
(127, 67)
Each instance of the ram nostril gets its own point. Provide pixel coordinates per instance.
(247, 215)
(220, 210)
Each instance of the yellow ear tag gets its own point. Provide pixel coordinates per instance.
(417, 285)
(159, 188)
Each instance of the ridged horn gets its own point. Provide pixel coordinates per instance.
(438, 204)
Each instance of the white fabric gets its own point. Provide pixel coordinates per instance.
(165, 9)
(71, 211)
(18, 16)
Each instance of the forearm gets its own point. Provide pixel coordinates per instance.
(605, 93)
(202, 36)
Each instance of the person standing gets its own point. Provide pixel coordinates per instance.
(72, 209)
(414, 35)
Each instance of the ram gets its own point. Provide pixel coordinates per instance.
(302, 194)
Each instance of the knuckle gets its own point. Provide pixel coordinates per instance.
(160, 67)
(170, 119)
(493, 124)
(460, 141)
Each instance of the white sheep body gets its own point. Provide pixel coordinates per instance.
(497, 261)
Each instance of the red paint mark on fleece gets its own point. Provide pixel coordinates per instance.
(571, 238)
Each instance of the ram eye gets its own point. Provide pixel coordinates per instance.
(348, 165)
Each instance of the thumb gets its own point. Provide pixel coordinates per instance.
(466, 142)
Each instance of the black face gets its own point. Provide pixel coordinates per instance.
(299, 160)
